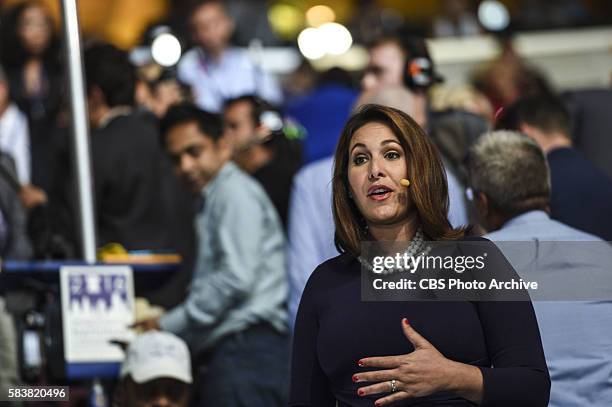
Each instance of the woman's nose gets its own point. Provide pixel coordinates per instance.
(376, 169)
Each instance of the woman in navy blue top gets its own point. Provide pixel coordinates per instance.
(456, 353)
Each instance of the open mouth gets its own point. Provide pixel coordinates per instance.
(379, 193)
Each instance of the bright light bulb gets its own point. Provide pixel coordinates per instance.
(493, 15)
(336, 37)
(311, 43)
(166, 49)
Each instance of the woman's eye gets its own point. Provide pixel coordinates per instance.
(360, 159)
(392, 155)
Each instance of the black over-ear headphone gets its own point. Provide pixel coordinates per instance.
(419, 70)
(418, 73)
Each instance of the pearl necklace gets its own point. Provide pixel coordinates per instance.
(415, 248)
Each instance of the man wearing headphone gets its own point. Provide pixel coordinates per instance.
(262, 148)
(397, 62)
(405, 62)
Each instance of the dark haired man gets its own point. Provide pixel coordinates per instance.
(234, 318)
(581, 194)
(126, 157)
(261, 148)
(386, 68)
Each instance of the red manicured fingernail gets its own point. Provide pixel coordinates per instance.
(361, 392)
(360, 363)
(405, 321)
(355, 379)
(378, 403)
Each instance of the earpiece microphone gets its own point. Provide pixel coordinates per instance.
(404, 182)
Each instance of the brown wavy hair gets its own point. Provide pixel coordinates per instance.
(428, 189)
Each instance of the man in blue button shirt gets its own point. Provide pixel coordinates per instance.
(234, 317)
(510, 179)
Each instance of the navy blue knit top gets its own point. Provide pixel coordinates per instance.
(334, 329)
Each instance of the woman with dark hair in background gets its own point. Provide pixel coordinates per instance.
(30, 54)
(461, 353)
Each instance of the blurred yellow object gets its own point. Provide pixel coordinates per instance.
(115, 253)
(285, 19)
(111, 249)
(137, 258)
(319, 15)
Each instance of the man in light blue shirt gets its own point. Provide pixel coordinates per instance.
(216, 72)
(234, 317)
(510, 179)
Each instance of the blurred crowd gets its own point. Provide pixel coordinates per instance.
(216, 161)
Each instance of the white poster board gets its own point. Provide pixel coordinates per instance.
(97, 307)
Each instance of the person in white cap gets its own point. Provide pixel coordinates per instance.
(156, 372)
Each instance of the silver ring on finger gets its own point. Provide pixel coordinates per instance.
(393, 386)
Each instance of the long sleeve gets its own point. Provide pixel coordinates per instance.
(15, 141)
(309, 385)
(311, 228)
(519, 376)
(22, 149)
(302, 244)
(237, 242)
(17, 245)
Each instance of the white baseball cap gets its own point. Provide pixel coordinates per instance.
(155, 355)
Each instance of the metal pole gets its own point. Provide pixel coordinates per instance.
(79, 129)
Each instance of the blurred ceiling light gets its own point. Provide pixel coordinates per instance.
(330, 38)
(285, 19)
(311, 43)
(166, 49)
(493, 15)
(319, 15)
(337, 38)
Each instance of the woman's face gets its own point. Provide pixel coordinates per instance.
(34, 30)
(377, 162)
